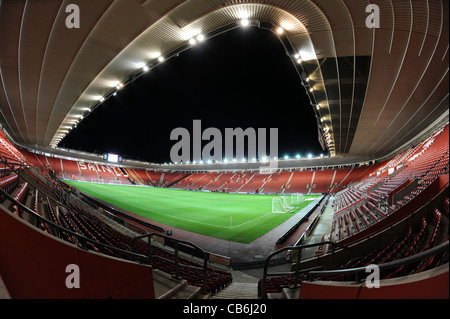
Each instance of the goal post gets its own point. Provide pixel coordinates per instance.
(287, 203)
(282, 204)
(297, 199)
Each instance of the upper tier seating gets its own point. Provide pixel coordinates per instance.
(370, 196)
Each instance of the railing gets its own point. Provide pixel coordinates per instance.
(389, 265)
(36, 176)
(81, 240)
(297, 271)
(176, 262)
(357, 272)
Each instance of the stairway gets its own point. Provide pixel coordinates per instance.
(244, 286)
(134, 176)
(238, 290)
(178, 180)
(167, 287)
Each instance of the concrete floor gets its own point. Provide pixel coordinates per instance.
(323, 227)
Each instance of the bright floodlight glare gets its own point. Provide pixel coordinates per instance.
(145, 68)
(192, 41)
(245, 22)
(297, 156)
(200, 37)
(310, 155)
(286, 157)
(280, 30)
(225, 160)
(160, 58)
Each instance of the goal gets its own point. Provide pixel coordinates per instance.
(287, 203)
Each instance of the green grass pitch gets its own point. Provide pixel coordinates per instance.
(236, 217)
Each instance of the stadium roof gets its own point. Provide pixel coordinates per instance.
(373, 90)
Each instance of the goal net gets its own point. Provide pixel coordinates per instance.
(287, 203)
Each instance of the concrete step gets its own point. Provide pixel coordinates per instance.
(238, 290)
(167, 287)
(286, 293)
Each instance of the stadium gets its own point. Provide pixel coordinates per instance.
(363, 214)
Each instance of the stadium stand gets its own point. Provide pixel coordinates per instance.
(375, 75)
(358, 207)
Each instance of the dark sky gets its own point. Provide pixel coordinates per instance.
(242, 78)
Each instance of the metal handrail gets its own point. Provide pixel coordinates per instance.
(82, 240)
(297, 271)
(392, 264)
(176, 262)
(358, 271)
(24, 167)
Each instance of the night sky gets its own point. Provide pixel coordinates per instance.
(242, 78)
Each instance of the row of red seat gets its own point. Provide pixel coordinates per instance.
(418, 238)
(426, 162)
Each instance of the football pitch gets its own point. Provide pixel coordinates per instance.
(236, 217)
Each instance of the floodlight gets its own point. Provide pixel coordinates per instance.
(245, 22)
